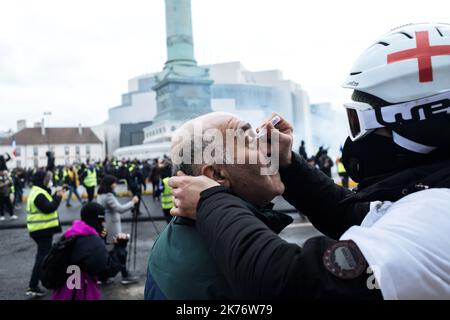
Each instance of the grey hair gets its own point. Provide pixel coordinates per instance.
(190, 167)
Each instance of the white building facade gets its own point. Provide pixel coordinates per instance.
(69, 145)
(253, 96)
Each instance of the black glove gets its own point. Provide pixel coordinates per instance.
(122, 243)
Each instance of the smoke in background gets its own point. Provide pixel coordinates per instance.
(328, 128)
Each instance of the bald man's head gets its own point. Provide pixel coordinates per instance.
(207, 132)
(223, 147)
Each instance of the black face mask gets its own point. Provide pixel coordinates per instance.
(376, 155)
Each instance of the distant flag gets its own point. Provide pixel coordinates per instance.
(13, 145)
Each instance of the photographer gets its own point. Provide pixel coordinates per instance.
(42, 223)
(113, 209)
(89, 253)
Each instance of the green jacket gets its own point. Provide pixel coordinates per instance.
(180, 266)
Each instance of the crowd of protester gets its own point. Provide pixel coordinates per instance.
(100, 248)
(134, 173)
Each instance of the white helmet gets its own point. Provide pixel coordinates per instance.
(408, 63)
(401, 83)
(401, 80)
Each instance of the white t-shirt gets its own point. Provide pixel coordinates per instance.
(407, 245)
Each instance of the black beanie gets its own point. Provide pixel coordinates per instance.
(94, 215)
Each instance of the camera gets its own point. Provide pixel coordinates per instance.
(122, 239)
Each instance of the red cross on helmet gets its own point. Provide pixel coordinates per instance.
(400, 113)
(408, 63)
(408, 70)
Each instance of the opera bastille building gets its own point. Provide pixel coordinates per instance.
(157, 104)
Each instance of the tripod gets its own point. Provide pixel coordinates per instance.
(133, 241)
(134, 232)
(151, 218)
(132, 244)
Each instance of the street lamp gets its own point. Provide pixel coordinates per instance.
(47, 115)
(49, 153)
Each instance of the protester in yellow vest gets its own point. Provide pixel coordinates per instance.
(342, 172)
(42, 223)
(166, 199)
(72, 182)
(90, 181)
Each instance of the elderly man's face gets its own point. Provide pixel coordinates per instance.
(245, 178)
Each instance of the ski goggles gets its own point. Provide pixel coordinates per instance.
(363, 118)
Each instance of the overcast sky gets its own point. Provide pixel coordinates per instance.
(74, 58)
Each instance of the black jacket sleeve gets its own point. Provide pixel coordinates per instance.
(142, 181)
(316, 196)
(83, 176)
(91, 255)
(66, 180)
(46, 206)
(260, 265)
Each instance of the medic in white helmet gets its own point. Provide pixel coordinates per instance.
(394, 229)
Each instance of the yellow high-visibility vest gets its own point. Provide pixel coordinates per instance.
(13, 189)
(37, 220)
(166, 195)
(91, 178)
(340, 167)
(73, 176)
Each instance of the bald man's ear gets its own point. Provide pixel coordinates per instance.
(217, 174)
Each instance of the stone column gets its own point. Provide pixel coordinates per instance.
(180, 44)
(183, 89)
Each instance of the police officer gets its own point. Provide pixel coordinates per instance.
(42, 223)
(390, 239)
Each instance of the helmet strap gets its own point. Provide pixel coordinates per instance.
(411, 145)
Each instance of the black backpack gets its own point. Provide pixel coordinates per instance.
(55, 264)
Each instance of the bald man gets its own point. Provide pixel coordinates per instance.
(221, 147)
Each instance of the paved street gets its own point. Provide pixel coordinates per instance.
(17, 250)
(67, 215)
